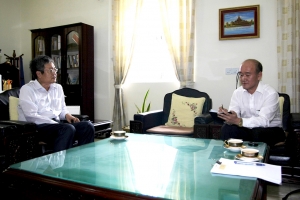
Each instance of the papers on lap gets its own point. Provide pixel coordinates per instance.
(267, 172)
(214, 115)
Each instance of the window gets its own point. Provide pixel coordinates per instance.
(151, 61)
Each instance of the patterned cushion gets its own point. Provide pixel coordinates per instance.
(184, 110)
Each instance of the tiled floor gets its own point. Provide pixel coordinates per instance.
(276, 192)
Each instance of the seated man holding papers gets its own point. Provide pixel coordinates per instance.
(254, 109)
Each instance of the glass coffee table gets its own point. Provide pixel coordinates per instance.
(141, 166)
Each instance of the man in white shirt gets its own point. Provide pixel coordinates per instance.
(42, 102)
(254, 109)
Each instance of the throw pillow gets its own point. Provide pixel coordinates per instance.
(13, 108)
(184, 110)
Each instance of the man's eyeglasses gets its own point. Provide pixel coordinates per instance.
(52, 71)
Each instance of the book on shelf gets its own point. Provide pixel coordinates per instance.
(54, 43)
(74, 60)
(77, 59)
(75, 38)
(70, 59)
(58, 62)
(58, 42)
(41, 45)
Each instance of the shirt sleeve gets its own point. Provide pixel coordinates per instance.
(64, 109)
(235, 104)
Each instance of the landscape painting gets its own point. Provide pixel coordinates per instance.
(239, 22)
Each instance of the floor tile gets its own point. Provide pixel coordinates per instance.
(279, 191)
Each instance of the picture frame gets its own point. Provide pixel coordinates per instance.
(239, 22)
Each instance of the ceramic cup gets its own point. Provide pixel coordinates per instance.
(234, 142)
(118, 133)
(250, 152)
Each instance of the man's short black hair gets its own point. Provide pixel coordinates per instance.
(38, 64)
(258, 65)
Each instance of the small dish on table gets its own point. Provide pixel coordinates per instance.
(248, 159)
(118, 138)
(234, 149)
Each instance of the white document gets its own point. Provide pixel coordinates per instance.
(74, 110)
(271, 173)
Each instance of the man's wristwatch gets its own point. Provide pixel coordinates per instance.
(241, 122)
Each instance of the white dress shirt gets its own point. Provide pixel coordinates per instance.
(40, 106)
(260, 109)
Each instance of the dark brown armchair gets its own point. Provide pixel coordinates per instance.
(19, 139)
(154, 122)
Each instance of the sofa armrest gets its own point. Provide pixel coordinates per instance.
(203, 119)
(149, 119)
(18, 142)
(22, 126)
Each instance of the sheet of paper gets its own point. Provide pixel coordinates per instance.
(74, 110)
(271, 173)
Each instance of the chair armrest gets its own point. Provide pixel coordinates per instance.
(82, 117)
(22, 126)
(136, 126)
(204, 118)
(149, 119)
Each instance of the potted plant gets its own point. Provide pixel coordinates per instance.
(140, 110)
(143, 108)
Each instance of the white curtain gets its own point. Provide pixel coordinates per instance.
(178, 18)
(125, 19)
(288, 23)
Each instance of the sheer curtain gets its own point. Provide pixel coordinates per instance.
(288, 23)
(125, 19)
(178, 18)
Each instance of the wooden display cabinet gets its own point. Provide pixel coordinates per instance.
(72, 49)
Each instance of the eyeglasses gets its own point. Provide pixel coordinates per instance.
(52, 71)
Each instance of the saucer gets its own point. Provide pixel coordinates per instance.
(118, 138)
(248, 159)
(234, 149)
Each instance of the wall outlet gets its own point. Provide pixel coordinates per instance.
(231, 71)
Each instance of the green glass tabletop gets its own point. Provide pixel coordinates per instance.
(159, 166)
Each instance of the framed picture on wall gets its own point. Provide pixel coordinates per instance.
(239, 23)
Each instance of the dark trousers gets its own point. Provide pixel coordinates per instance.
(63, 135)
(270, 135)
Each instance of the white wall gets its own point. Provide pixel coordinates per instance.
(9, 28)
(211, 58)
(213, 55)
(44, 13)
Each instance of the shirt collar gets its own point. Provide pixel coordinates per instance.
(38, 86)
(258, 89)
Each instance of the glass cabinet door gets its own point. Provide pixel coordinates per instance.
(73, 58)
(56, 54)
(39, 45)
